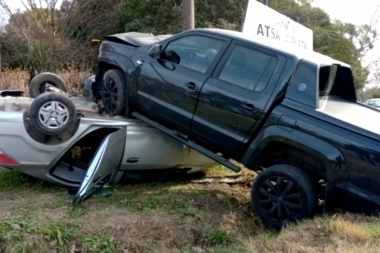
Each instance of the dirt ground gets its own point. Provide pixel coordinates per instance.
(164, 217)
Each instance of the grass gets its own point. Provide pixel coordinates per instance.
(179, 217)
(164, 217)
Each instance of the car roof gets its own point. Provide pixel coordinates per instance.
(274, 45)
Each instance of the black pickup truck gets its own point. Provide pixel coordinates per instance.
(290, 115)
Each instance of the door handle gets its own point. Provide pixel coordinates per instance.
(192, 86)
(133, 160)
(249, 107)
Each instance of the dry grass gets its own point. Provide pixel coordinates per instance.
(18, 79)
(349, 230)
(14, 80)
(164, 217)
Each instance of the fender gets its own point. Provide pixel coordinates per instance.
(115, 59)
(329, 154)
(107, 58)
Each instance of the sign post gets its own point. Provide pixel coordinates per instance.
(264, 22)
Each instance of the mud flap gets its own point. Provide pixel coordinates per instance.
(105, 162)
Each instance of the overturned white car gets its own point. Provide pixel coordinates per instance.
(65, 140)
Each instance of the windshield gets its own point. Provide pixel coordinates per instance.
(376, 103)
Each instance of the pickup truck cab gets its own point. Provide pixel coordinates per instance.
(291, 115)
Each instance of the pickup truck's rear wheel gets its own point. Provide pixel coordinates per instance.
(283, 194)
(113, 92)
(53, 113)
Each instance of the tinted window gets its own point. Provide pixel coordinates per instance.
(193, 52)
(248, 68)
(303, 87)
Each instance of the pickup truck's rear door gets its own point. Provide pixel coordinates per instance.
(107, 160)
(233, 99)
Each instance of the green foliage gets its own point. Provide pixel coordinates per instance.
(225, 14)
(332, 38)
(34, 31)
(373, 92)
(101, 243)
(164, 16)
(151, 16)
(10, 179)
(219, 237)
(335, 39)
(26, 234)
(42, 39)
(11, 58)
(376, 72)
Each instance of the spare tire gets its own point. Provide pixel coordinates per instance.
(53, 113)
(37, 84)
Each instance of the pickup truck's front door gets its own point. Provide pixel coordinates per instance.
(168, 87)
(234, 97)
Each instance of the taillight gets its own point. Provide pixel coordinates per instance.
(6, 160)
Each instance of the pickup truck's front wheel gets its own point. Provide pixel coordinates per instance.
(113, 92)
(283, 194)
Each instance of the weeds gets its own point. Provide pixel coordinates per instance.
(76, 211)
(101, 243)
(23, 234)
(218, 237)
(10, 179)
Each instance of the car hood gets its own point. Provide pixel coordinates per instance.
(136, 39)
(353, 113)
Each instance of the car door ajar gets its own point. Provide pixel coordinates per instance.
(233, 98)
(168, 87)
(106, 161)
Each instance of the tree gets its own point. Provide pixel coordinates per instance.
(153, 16)
(45, 38)
(373, 92)
(164, 16)
(54, 38)
(376, 72)
(11, 58)
(342, 41)
(36, 29)
(84, 20)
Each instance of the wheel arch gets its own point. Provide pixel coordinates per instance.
(109, 60)
(275, 139)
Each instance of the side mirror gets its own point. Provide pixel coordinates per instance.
(155, 51)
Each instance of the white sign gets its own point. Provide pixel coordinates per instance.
(262, 21)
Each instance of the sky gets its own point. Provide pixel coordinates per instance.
(357, 12)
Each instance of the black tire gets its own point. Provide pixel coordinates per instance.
(113, 92)
(283, 194)
(53, 113)
(36, 86)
